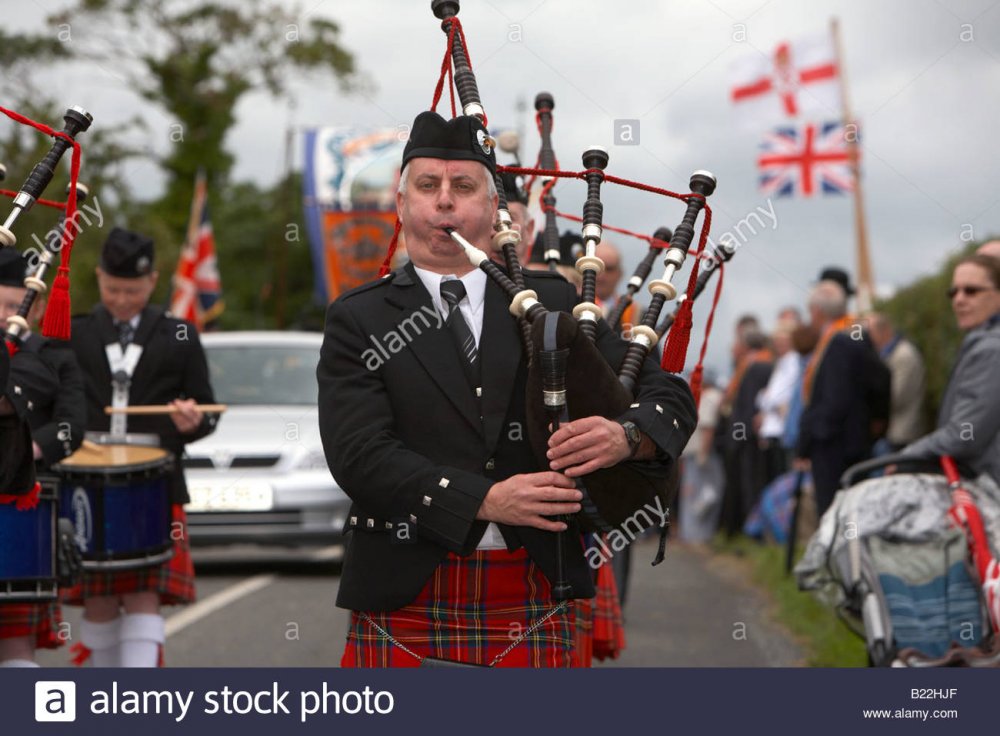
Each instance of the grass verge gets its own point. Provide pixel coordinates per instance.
(825, 639)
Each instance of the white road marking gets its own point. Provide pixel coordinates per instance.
(328, 554)
(215, 602)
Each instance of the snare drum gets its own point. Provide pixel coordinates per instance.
(28, 549)
(118, 498)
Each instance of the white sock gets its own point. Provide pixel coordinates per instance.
(102, 641)
(18, 663)
(141, 637)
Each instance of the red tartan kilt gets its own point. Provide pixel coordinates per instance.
(173, 580)
(608, 630)
(38, 620)
(470, 610)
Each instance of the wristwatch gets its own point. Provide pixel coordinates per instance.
(632, 435)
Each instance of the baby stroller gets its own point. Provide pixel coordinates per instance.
(895, 556)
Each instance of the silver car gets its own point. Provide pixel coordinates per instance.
(261, 477)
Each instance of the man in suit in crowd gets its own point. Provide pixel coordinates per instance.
(839, 381)
(452, 544)
(135, 353)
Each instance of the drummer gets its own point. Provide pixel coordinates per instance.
(157, 359)
(45, 390)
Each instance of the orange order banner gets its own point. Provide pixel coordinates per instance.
(354, 245)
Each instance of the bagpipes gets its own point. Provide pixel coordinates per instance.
(544, 104)
(660, 239)
(568, 377)
(57, 316)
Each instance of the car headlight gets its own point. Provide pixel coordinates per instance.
(312, 460)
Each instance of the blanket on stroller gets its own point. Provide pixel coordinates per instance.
(893, 535)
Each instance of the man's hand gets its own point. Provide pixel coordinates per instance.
(525, 500)
(188, 416)
(585, 445)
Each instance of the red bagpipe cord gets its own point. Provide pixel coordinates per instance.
(696, 374)
(965, 515)
(446, 72)
(538, 162)
(57, 315)
(675, 351)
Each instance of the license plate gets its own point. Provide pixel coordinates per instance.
(235, 496)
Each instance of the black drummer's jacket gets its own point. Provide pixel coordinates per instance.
(172, 366)
(407, 440)
(46, 389)
(17, 471)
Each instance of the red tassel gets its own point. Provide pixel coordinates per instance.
(24, 502)
(57, 314)
(677, 343)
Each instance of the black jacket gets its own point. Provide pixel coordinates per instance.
(17, 471)
(407, 441)
(839, 411)
(47, 391)
(172, 366)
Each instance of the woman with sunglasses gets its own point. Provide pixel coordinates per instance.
(968, 427)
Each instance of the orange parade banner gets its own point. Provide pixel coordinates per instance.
(354, 244)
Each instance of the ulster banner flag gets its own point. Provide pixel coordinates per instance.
(799, 79)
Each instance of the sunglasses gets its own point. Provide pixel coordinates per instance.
(968, 290)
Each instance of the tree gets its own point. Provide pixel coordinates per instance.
(196, 61)
(922, 312)
(254, 229)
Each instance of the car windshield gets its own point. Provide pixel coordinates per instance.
(263, 374)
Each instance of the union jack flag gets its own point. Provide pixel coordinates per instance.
(803, 159)
(197, 294)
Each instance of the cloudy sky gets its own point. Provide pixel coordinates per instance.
(922, 74)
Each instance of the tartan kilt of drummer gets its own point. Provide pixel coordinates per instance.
(37, 620)
(173, 580)
(470, 610)
(600, 629)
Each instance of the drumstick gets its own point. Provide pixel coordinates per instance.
(162, 409)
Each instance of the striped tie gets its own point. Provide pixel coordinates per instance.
(125, 334)
(453, 292)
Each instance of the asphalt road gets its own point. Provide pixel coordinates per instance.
(275, 608)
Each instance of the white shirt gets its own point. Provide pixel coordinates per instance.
(773, 401)
(471, 307)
